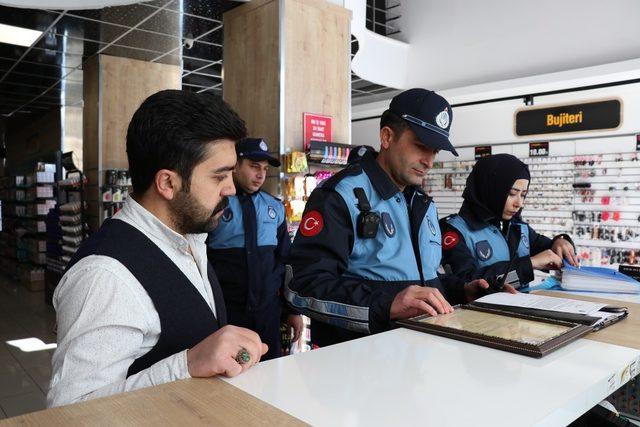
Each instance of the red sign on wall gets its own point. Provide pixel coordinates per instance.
(316, 127)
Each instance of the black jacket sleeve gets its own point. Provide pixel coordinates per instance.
(541, 243)
(281, 255)
(459, 261)
(319, 258)
(453, 288)
(538, 242)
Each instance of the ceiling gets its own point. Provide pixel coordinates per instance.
(49, 73)
(460, 43)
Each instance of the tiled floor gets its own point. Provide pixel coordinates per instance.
(24, 376)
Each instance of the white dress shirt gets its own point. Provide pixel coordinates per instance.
(106, 319)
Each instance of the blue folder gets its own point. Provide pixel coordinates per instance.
(601, 273)
(551, 282)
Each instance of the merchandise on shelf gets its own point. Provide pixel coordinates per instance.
(66, 228)
(295, 162)
(26, 201)
(329, 152)
(114, 192)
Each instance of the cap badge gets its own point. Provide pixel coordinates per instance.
(442, 119)
(263, 145)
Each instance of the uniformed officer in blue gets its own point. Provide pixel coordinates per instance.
(488, 231)
(368, 246)
(249, 247)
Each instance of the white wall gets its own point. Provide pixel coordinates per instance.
(366, 132)
(493, 123)
(456, 43)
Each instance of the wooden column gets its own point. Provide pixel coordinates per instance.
(114, 88)
(283, 58)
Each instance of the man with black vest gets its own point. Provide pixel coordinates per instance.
(139, 304)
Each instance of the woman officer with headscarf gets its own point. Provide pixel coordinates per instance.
(488, 231)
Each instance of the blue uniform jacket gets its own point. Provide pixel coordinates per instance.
(254, 278)
(347, 283)
(474, 248)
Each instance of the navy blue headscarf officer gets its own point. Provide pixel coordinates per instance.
(480, 240)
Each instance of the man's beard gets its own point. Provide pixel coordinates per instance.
(190, 217)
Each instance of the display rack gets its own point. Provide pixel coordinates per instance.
(115, 191)
(67, 224)
(26, 201)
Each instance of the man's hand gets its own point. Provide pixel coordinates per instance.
(564, 250)
(216, 354)
(416, 300)
(547, 260)
(294, 321)
(477, 288)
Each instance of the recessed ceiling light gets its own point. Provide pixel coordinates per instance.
(18, 35)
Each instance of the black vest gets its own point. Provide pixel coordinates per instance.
(185, 317)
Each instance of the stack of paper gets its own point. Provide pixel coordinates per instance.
(596, 314)
(597, 279)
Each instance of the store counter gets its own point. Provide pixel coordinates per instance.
(395, 378)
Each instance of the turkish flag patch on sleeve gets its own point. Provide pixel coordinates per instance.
(311, 224)
(449, 240)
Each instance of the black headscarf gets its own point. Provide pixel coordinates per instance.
(489, 183)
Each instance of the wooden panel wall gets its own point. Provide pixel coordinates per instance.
(317, 72)
(252, 70)
(125, 84)
(114, 88)
(317, 47)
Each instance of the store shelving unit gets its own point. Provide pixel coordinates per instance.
(26, 201)
(66, 225)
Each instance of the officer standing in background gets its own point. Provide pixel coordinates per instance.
(369, 245)
(249, 247)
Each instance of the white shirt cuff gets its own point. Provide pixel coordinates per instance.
(182, 368)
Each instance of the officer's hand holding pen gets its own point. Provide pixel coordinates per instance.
(416, 300)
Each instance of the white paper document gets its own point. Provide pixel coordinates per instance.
(541, 302)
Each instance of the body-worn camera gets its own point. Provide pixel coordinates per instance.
(368, 220)
(368, 223)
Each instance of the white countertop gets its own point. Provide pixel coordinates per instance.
(405, 377)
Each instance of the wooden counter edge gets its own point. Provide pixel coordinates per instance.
(201, 401)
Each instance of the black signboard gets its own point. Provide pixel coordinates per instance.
(482, 151)
(539, 149)
(569, 118)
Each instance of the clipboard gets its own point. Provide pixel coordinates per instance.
(519, 333)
